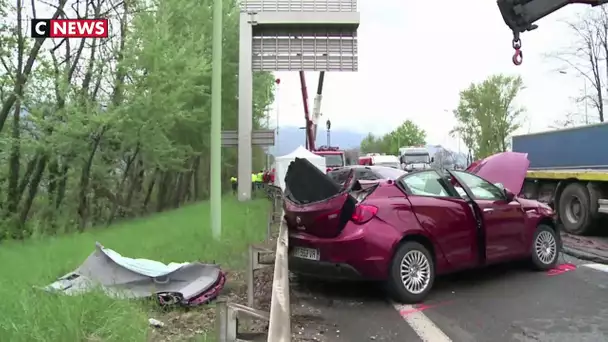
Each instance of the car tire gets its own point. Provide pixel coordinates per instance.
(414, 253)
(545, 248)
(584, 224)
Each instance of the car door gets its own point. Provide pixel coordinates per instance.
(445, 215)
(503, 221)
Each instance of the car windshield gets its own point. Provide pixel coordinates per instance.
(333, 160)
(389, 173)
(481, 189)
(415, 158)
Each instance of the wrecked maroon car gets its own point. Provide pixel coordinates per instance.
(406, 231)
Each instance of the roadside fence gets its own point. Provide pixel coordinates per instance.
(229, 314)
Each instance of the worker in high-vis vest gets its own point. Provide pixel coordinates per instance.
(234, 183)
(254, 181)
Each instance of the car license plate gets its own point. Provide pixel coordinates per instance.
(306, 253)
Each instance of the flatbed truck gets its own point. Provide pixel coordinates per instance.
(569, 171)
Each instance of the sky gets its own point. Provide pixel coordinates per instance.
(415, 57)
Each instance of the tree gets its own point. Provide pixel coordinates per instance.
(487, 115)
(98, 130)
(352, 156)
(407, 134)
(587, 57)
(444, 159)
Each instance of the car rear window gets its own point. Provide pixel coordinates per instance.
(366, 174)
(339, 176)
(389, 173)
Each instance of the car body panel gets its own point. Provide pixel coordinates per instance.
(505, 228)
(452, 226)
(366, 248)
(508, 168)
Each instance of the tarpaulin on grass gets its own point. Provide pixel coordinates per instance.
(189, 284)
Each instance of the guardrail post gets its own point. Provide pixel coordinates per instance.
(226, 322)
(269, 224)
(254, 264)
(250, 270)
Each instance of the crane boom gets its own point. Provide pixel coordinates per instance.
(316, 109)
(521, 15)
(310, 139)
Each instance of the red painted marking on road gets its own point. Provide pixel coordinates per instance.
(561, 269)
(419, 308)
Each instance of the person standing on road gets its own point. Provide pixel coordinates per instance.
(254, 181)
(234, 183)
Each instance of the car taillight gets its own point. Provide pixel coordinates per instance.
(327, 170)
(363, 213)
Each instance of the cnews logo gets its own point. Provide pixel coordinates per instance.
(69, 28)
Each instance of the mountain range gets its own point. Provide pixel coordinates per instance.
(290, 138)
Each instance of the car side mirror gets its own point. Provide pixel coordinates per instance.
(432, 159)
(508, 195)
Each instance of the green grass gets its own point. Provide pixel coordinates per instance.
(29, 314)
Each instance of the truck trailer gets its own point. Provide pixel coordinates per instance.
(569, 171)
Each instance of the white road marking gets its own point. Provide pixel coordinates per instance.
(421, 324)
(599, 267)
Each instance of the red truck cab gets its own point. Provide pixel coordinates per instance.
(334, 157)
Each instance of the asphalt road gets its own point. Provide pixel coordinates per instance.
(498, 304)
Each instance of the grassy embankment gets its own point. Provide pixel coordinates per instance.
(182, 235)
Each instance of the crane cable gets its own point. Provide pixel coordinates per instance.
(518, 56)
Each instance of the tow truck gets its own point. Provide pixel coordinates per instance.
(521, 15)
(334, 156)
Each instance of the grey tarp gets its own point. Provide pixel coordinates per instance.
(117, 276)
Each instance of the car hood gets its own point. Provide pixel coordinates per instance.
(507, 168)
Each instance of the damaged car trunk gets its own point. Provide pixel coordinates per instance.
(316, 204)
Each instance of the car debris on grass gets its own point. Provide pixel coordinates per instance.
(188, 284)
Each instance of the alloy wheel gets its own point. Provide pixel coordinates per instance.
(415, 272)
(545, 247)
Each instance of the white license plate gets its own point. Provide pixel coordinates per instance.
(306, 253)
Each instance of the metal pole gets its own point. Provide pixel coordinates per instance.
(245, 107)
(277, 101)
(216, 123)
(267, 113)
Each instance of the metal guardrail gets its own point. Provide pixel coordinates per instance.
(228, 314)
(280, 311)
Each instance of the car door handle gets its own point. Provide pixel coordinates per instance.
(488, 210)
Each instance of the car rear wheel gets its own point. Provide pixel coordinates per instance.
(412, 273)
(545, 248)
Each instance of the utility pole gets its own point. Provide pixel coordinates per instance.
(277, 101)
(216, 123)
